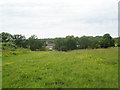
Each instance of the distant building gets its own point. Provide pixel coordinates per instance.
(50, 46)
(116, 45)
(46, 43)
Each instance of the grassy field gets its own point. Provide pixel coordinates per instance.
(96, 68)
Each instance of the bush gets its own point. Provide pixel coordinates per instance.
(8, 46)
(42, 49)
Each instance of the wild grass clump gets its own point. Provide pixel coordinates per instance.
(19, 51)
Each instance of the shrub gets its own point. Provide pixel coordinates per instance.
(8, 46)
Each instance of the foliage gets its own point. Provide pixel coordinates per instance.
(6, 37)
(8, 46)
(72, 43)
(34, 43)
(94, 41)
(49, 40)
(117, 41)
(42, 49)
(19, 40)
(65, 44)
(61, 44)
(94, 44)
(106, 41)
(83, 42)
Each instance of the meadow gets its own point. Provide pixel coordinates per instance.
(88, 68)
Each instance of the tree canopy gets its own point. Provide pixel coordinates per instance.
(61, 44)
(106, 41)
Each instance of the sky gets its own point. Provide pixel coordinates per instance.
(59, 18)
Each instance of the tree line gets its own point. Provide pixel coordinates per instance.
(61, 44)
(84, 42)
(18, 40)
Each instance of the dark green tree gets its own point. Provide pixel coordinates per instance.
(94, 41)
(83, 42)
(5, 37)
(106, 41)
(34, 43)
(60, 44)
(118, 41)
(71, 43)
(65, 44)
(19, 40)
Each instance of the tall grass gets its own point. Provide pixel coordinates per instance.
(96, 68)
(7, 53)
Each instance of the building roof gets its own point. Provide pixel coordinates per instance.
(51, 44)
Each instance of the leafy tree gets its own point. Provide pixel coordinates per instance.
(70, 43)
(60, 44)
(94, 41)
(6, 37)
(83, 42)
(65, 44)
(106, 41)
(94, 44)
(117, 41)
(33, 37)
(19, 40)
(34, 43)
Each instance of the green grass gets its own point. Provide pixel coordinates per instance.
(96, 68)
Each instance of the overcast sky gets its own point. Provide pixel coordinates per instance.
(59, 18)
